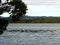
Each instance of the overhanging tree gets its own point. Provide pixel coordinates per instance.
(19, 10)
(16, 8)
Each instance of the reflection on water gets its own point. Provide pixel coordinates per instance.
(36, 31)
(31, 37)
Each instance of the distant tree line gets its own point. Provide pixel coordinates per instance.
(44, 20)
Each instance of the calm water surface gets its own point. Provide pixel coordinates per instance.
(49, 34)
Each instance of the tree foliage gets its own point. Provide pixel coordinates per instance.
(19, 10)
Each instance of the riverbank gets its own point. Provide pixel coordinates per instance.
(43, 20)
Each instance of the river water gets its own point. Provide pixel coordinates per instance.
(32, 34)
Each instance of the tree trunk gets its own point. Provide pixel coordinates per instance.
(3, 25)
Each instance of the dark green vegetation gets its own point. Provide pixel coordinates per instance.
(16, 8)
(19, 10)
(28, 19)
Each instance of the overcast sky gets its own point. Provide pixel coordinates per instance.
(43, 2)
(43, 7)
